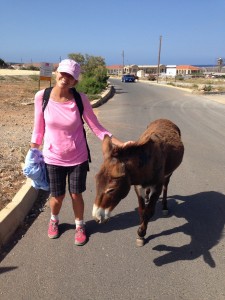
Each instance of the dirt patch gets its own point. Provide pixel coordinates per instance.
(217, 97)
(16, 113)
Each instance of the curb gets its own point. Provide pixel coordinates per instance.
(13, 215)
(104, 97)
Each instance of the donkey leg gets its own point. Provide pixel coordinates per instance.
(140, 191)
(164, 199)
(141, 195)
(148, 212)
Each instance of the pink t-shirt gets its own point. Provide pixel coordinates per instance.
(62, 130)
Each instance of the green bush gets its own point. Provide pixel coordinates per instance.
(207, 88)
(93, 76)
(30, 68)
(89, 85)
(179, 77)
(33, 68)
(3, 64)
(93, 81)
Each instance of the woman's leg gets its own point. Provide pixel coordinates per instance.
(77, 185)
(78, 206)
(56, 204)
(57, 181)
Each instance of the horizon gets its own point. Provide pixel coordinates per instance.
(195, 65)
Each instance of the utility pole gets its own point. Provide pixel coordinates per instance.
(123, 61)
(158, 69)
(220, 64)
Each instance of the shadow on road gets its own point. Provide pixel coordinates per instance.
(119, 91)
(205, 217)
(37, 208)
(63, 227)
(117, 222)
(7, 269)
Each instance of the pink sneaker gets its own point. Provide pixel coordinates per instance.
(80, 236)
(53, 229)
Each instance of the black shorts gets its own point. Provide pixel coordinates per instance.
(76, 178)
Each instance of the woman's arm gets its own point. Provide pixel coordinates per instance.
(39, 123)
(33, 145)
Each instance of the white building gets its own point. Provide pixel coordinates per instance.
(171, 70)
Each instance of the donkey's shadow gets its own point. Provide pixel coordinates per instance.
(205, 216)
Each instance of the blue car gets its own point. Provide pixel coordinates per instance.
(128, 78)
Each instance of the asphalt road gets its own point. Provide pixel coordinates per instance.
(184, 255)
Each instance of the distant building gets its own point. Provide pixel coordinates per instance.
(140, 74)
(135, 69)
(171, 70)
(131, 69)
(187, 70)
(152, 69)
(218, 74)
(164, 70)
(114, 70)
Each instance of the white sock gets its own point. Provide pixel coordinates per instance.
(79, 223)
(54, 217)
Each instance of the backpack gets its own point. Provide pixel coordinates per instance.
(80, 106)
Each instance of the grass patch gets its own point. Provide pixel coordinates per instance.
(220, 89)
(15, 78)
(34, 77)
(208, 88)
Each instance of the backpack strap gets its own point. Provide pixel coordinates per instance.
(80, 106)
(46, 96)
(79, 103)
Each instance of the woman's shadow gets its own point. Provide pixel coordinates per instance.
(205, 216)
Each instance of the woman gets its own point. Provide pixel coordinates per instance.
(64, 150)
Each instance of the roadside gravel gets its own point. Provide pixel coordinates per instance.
(16, 124)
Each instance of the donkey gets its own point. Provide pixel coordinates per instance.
(147, 164)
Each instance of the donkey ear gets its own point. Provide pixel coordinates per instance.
(107, 147)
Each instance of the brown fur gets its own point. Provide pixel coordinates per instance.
(148, 163)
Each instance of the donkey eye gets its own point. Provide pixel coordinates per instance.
(109, 190)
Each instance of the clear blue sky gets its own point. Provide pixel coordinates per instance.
(193, 31)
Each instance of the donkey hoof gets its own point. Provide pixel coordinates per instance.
(140, 242)
(165, 212)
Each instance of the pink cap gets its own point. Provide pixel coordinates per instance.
(69, 66)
